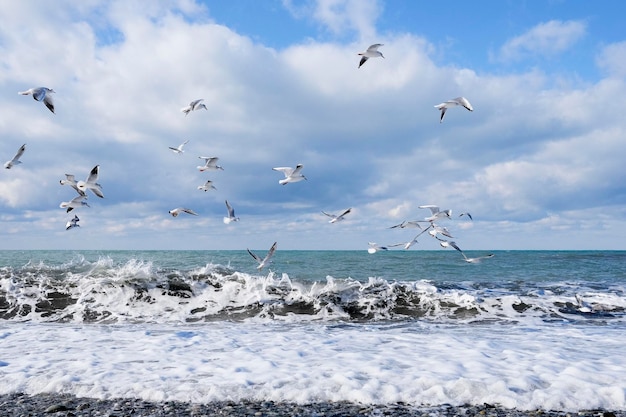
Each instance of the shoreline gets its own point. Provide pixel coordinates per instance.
(19, 404)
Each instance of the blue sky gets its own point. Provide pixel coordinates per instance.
(538, 162)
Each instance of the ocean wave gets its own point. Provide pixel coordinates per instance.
(104, 291)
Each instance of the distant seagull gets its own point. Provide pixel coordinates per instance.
(71, 181)
(39, 94)
(72, 223)
(76, 202)
(466, 214)
(179, 149)
(335, 218)
(373, 247)
(408, 224)
(208, 185)
(194, 105)
(231, 214)
(210, 164)
(477, 259)
(291, 174)
(406, 245)
(436, 213)
(449, 244)
(372, 52)
(175, 212)
(91, 182)
(16, 158)
(265, 261)
(459, 101)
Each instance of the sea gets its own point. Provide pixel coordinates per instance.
(522, 329)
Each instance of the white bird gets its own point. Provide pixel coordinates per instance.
(466, 214)
(291, 174)
(76, 202)
(72, 223)
(407, 245)
(194, 105)
(231, 214)
(372, 52)
(373, 247)
(91, 182)
(477, 259)
(39, 94)
(459, 101)
(210, 164)
(408, 224)
(16, 158)
(179, 149)
(448, 243)
(335, 218)
(436, 213)
(71, 181)
(435, 230)
(175, 212)
(265, 261)
(208, 185)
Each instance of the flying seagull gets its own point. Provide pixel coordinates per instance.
(231, 214)
(291, 174)
(436, 213)
(208, 185)
(459, 101)
(39, 94)
(71, 181)
(91, 182)
(406, 245)
(449, 244)
(265, 261)
(76, 202)
(372, 52)
(373, 247)
(72, 223)
(175, 212)
(466, 214)
(210, 164)
(179, 149)
(16, 158)
(408, 224)
(334, 218)
(477, 259)
(194, 105)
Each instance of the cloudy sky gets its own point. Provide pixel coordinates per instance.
(539, 163)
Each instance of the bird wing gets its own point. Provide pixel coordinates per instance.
(256, 257)
(374, 47)
(231, 211)
(189, 211)
(285, 170)
(433, 209)
(345, 212)
(329, 215)
(194, 103)
(270, 253)
(93, 175)
(47, 100)
(298, 169)
(362, 61)
(19, 153)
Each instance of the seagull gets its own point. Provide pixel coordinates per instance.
(208, 185)
(231, 214)
(194, 105)
(373, 247)
(435, 229)
(291, 174)
(436, 213)
(16, 158)
(210, 164)
(466, 214)
(71, 181)
(91, 183)
(335, 218)
(265, 261)
(407, 245)
(41, 93)
(175, 212)
(408, 224)
(76, 202)
(72, 223)
(477, 259)
(448, 243)
(459, 101)
(179, 150)
(372, 52)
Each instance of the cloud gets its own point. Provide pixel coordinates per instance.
(340, 16)
(612, 59)
(546, 39)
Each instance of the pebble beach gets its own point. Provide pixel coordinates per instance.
(23, 405)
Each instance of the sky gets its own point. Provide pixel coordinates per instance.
(539, 162)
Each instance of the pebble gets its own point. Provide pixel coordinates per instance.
(57, 405)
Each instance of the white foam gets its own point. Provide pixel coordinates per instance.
(555, 367)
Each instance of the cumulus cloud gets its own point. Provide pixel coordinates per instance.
(612, 59)
(546, 39)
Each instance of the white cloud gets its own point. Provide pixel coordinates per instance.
(546, 39)
(612, 59)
